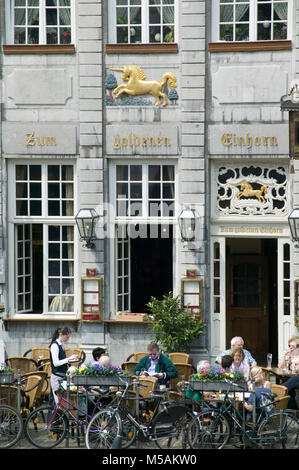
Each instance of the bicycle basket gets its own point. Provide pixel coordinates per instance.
(266, 402)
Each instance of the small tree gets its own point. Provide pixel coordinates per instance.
(175, 327)
(173, 96)
(110, 84)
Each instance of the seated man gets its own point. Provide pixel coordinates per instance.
(156, 365)
(237, 341)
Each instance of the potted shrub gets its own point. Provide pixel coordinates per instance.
(6, 374)
(175, 327)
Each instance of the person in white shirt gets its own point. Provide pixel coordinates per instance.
(58, 359)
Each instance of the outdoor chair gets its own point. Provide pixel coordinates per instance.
(129, 366)
(38, 354)
(25, 364)
(183, 370)
(43, 387)
(80, 353)
(137, 356)
(31, 388)
(179, 358)
(282, 402)
(9, 395)
(280, 390)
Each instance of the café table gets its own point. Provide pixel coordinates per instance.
(281, 375)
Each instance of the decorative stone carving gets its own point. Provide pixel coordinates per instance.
(252, 190)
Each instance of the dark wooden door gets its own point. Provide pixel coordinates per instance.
(247, 303)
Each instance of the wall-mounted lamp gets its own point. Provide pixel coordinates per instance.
(293, 220)
(187, 224)
(86, 220)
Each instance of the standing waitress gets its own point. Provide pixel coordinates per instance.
(58, 359)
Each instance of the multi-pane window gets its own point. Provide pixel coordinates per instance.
(145, 190)
(251, 20)
(142, 21)
(44, 267)
(41, 21)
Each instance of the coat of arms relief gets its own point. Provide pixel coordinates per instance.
(252, 190)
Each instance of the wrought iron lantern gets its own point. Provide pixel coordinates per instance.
(294, 224)
(86, 220)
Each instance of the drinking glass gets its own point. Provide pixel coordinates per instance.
(269, 360)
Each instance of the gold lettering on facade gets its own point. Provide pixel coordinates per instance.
(251, 230)
(230, 139)
(39, 141)
(133, 140)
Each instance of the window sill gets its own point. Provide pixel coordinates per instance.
(39, 49)
(6, 321)
(250, 46)
(142, 48)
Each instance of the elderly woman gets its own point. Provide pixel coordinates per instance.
(292, 351)
(239, 362)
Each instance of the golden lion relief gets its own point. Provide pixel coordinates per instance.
(137, 85)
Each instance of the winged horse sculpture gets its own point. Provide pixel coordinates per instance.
(137, 85)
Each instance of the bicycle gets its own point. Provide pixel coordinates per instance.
(46, 427)
(213, 428)
(11, 426)
(166, 426)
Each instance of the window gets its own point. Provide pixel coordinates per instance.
(251, 20)
(141, 21)
(40, 22)
(42, 210)
(145, 190)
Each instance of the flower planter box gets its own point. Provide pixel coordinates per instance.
(135, 317)
(6, 378)
(217, 386)
(100, 380)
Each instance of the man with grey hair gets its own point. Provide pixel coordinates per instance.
(238, 342)
(202, 365)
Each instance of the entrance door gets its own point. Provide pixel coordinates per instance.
(247, 303)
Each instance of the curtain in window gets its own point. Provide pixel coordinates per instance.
(226, 13)
(65, 16)
(282, 10)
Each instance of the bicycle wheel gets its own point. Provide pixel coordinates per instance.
(208, 430)
(280, 429)
(11, 426)
(44, 433)
(128, 432)
(171, 435)
(103, 430)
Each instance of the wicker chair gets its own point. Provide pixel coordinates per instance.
(9, 395)
(137, 356)
(129, 366)
(43, 387)
(179, 358)
(38, 354)
(280, 390)
(31, 389)
(25, 364)
(80, 353)
(183, 370)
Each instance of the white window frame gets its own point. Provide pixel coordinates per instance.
(112, 33)
(9, 21)
(114, 220)
(215, 29)
(45, 221)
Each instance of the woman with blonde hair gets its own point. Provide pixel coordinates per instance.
(239, 362)
(257, 374)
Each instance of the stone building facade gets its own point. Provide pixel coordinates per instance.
(68, 142)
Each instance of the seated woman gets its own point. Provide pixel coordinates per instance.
(239, 363)
(256, 373)
(288, 355)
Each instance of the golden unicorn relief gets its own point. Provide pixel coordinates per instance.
(137, 85)
(246, 190)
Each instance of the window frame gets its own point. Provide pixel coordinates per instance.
(9, 30)
(112, 26)
(253, 22)
(45, 221)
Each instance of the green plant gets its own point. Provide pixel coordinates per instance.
(98, 369)
(4, 368)
(175, 327)
(217, 375)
